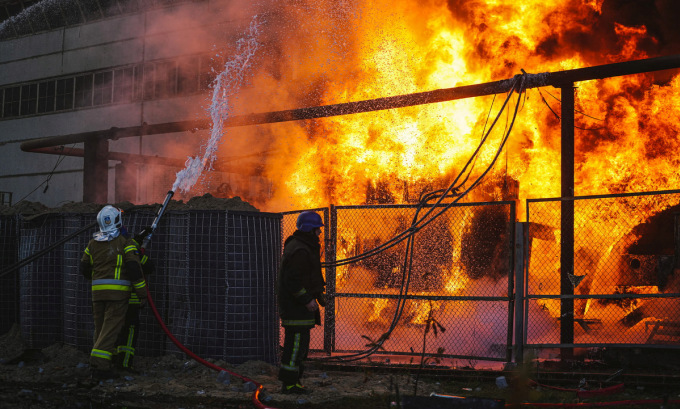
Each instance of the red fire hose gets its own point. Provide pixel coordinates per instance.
(258, 386)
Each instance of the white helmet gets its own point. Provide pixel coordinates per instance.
(110, 219)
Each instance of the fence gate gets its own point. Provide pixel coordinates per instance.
(461, 276)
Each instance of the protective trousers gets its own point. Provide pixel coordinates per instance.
(295, 350)
(109, 317)
(127, 339)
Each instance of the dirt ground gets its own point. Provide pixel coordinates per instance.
(58, 377)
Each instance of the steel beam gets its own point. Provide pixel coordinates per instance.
(567, 222)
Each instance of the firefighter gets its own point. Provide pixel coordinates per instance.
(300, 291)
(111, 262)
(127, 339)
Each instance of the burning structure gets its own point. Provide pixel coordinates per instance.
(134, 108)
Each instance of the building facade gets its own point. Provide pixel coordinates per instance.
(96, 95)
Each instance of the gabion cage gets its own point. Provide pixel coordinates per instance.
(213, 285)
(9, 282)
(623, 288)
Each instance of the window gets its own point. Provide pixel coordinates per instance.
(46, 96)
(12, 100)
(149, 74)
(123, 81)
(187, 76)
(29, 99)
(165, 79)
(64, 94)
(6, 198)
(103, 86)
(207, 73)
(83, 91)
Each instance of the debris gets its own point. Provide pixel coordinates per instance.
(224, 377)
(249, 387)
(501, 382)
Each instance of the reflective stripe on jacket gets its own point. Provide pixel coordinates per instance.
(108, 259)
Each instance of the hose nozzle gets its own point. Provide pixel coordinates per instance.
(147, 239)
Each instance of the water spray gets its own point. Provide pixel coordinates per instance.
(146, 240)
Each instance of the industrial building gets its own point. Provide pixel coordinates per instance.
(91, 93)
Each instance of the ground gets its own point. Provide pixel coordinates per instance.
(58, 377)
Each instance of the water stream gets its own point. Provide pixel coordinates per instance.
(226, 85)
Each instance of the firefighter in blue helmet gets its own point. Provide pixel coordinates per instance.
(300, 291)
(111, 262)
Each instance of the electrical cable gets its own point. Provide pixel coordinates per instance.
(414, 228)
(558, 117)
(49, 177)
(410, 236)
(580, 112)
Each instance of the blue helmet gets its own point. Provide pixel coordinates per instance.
(308, 221)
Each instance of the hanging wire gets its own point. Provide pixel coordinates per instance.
(517, 85)
(46, 182)
(558, 117)
(419, 223)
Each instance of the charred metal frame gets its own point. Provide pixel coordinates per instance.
(564, 80)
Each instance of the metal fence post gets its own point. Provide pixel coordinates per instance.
(329, 311)
(519, 292)
(567, 223)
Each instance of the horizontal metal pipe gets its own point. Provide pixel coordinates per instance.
(556, 79)
(139, 159)
(115, 133)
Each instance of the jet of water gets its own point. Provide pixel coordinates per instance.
(226, 84)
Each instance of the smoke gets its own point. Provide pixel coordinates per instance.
(225, 86)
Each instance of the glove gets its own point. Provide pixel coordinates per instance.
(312, 306)
(142, 303)
(142, 234)
(321, 299)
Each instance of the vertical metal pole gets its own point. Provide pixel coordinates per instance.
(512, 221)
(676, 241)
(331, 248)
(567, 222)
(96, 171)
(519, 292)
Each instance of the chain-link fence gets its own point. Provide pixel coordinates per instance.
(620, 288)
(460, 275)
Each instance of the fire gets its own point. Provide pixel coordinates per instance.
(334, 52)
(382, 48)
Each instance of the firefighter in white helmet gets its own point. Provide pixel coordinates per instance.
(127, 339)
(111, 261)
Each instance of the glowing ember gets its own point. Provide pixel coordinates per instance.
(341, 51)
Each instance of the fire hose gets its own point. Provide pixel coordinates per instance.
(258, 386)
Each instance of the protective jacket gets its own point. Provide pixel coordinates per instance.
(148, 268)
(300, 280)
(114, 268)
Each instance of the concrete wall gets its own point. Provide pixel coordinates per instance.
(184, 29)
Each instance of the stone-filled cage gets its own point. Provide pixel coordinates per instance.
(213, 285)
